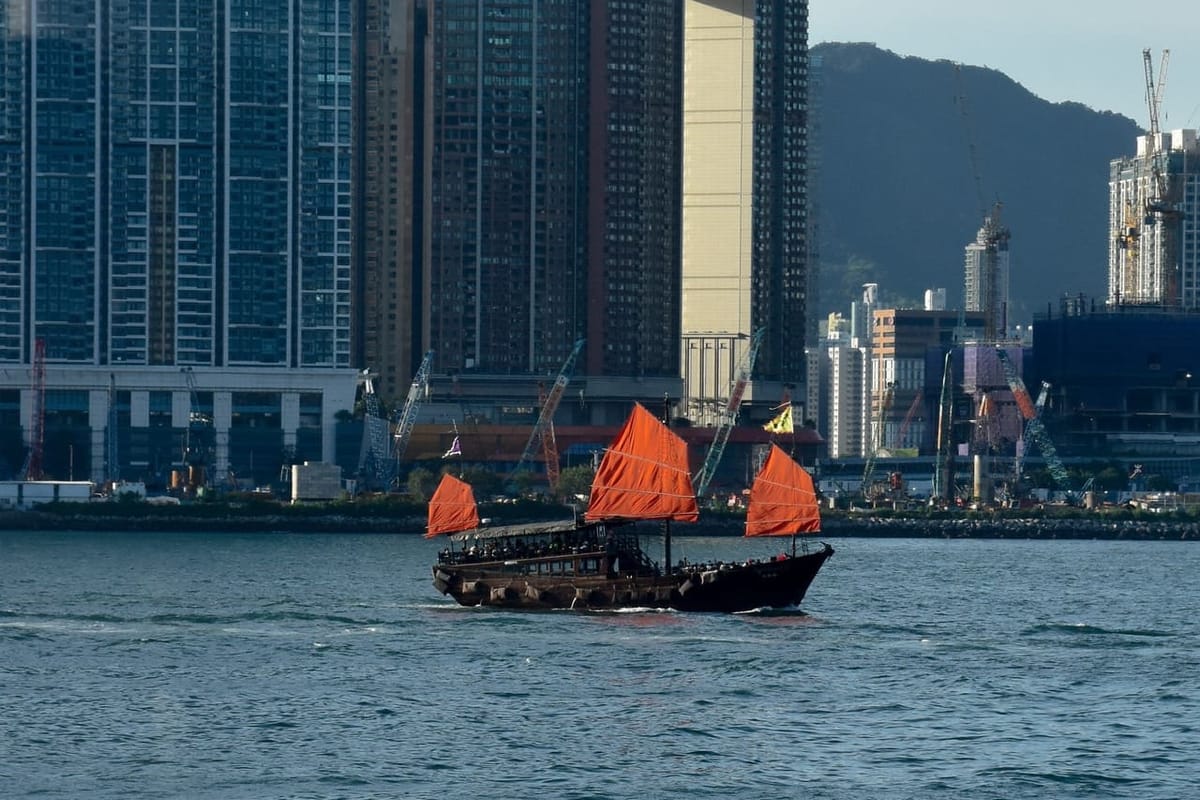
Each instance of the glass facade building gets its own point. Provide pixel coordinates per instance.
(555, 186)
(390, 228)
(175, 230)
(177, 182)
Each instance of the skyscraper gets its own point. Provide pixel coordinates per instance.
(390, 234)
(555, 189)
(177, 188)
(745, 204)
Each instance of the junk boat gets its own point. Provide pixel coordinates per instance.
(598, 562)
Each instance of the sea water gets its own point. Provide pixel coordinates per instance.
(164, 665)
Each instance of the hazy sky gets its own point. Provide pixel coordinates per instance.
(1088, 51)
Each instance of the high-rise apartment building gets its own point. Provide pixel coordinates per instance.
(554, 188)
(986, 271)
(1154, 224)
(745, 198)
(392, 59)
(176, 213)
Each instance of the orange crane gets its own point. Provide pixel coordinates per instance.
(1034, 429)
(543, 429)
(908, 420)
(943, 472)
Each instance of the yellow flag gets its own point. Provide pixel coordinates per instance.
(781, 423)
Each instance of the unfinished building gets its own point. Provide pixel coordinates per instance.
(1154, 220)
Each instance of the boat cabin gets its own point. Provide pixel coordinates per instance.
(550, 549)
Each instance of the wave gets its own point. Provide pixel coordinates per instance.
(1083, 629)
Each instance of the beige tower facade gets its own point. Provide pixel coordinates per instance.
(718, 188)
(745, 212)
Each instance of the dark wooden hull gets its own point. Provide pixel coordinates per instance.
(776, 583)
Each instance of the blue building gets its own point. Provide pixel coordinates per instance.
(175, 215)
(1125, 381)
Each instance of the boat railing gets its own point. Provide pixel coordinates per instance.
(627, 547)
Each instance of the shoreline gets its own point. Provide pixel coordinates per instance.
(177, 520)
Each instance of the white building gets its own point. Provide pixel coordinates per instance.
(847, 400)
(986, 272)
(1154, 224)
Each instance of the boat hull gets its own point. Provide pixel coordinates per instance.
(727, 588)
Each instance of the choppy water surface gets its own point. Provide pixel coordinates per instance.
(267, 666)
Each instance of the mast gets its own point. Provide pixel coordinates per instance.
(666, 523)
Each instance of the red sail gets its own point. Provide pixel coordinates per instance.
(783, 500)
(644, 475)
(452, 508)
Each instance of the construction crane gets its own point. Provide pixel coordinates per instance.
(196, 435)
(943, 472)
(1127, 244)
(374, 466)
(909, 416)
(1157, 202)
(1034, 428)
(1038, 405)
(412, 404)
(985, 425)
(961, 99)
(32, 469)
(729, 416)
(543, 429)
(868, 478)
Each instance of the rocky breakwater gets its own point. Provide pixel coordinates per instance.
(1013, 528)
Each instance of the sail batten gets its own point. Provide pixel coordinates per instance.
(783, 499)
(644, 475)
(452, 509)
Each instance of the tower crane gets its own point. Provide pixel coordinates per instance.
(543, 429)
(1034, 428)
(412, 404)
(729, 416)
(1157, 202)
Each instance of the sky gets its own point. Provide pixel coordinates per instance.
(1086, 51)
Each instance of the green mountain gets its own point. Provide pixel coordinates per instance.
(910, 153)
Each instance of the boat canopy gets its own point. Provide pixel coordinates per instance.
(643, 475)
(783, 500)
(517, 530)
